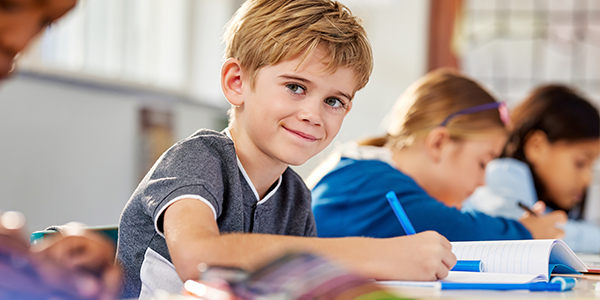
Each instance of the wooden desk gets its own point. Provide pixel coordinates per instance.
(584, 289)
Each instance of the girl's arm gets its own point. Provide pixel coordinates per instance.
(193, 237)
(582, 236)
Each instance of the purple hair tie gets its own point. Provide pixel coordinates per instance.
(501, 106)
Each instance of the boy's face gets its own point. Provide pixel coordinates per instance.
(20, 21)
(294, 111)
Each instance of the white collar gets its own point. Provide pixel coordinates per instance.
(270, 194)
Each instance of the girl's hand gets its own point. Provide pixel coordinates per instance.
(539, 208)
(548, 226)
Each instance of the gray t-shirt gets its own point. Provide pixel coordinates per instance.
(203, 166)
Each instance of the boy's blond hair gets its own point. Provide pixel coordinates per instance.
(267, 32)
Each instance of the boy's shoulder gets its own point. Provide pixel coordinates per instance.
(204, 149)
(204, 140)
(207, 136)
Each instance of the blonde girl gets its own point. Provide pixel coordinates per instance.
(444, 130)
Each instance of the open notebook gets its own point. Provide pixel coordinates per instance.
(519, 261)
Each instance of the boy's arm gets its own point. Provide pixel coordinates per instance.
(193, 237)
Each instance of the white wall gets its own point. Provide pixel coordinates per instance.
(69, 150)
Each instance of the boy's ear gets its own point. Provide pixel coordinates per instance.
(536, 146)
(231, 81)
(435, 141)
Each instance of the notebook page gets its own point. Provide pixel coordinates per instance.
(476, 277)
(519, 257)
(562, 254)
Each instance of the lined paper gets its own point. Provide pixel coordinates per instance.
(515, 257)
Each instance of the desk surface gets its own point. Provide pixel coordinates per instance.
(584, 289)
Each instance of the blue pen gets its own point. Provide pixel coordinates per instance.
(468, 266)
(461, 265)
(400, 214)
(556, 284)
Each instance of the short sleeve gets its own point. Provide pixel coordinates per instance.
(191, 167)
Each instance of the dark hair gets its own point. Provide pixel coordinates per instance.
(563, 115)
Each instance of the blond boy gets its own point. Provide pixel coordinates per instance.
(292, 68)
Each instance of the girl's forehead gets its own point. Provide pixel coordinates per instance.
(590, 148)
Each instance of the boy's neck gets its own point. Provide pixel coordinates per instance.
(262, 170)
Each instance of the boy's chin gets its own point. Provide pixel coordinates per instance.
(297, 162)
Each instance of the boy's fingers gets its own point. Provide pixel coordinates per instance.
(442, 272)
(446, 243)
(449, 260)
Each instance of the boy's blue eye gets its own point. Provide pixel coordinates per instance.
(296, 88)
(335, 102)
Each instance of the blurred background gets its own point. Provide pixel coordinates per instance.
(104, 91)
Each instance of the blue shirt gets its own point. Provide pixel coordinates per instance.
(508, 182)
(350, 201)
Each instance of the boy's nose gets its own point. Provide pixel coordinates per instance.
(311, 112)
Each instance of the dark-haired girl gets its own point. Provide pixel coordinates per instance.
(549, 157)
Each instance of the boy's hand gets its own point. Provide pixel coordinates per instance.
(423, 256)
(546, 226)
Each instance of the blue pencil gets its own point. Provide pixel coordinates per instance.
(464, 265)
(400, 214)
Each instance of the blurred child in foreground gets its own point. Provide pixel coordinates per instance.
(77, 266)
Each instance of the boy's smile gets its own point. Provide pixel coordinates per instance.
(302, 135)
(294, 110)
